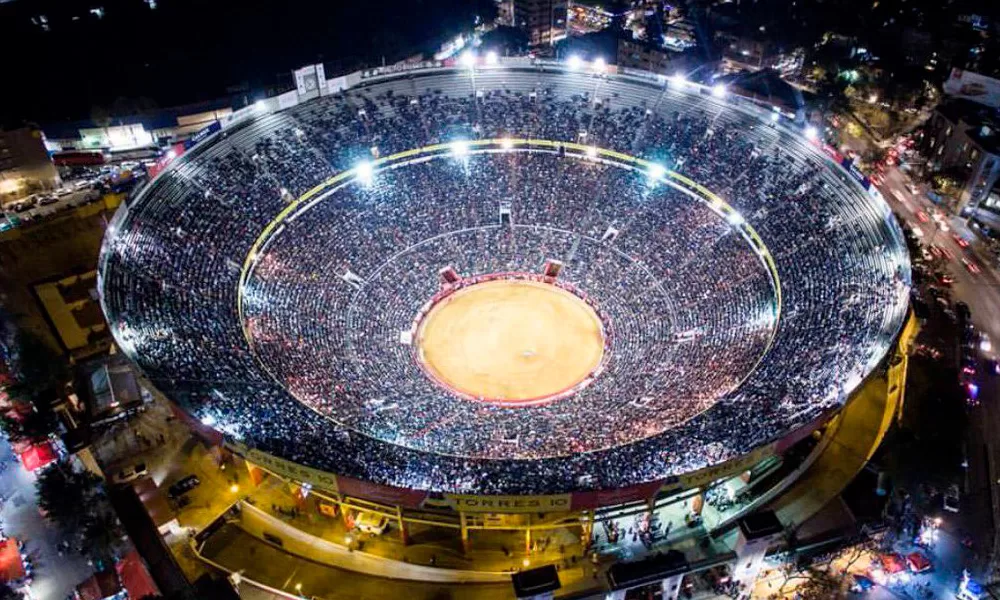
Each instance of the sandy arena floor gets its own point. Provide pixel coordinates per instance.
(515, 342)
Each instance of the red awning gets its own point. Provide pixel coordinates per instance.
(893, 563)
(918, 562)
(135, 577)
(11, 567)
(37, 456)
(99, 586)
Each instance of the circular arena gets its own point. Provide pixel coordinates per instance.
(506, 281)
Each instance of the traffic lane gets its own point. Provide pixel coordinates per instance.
(979, 291)
(237, 550)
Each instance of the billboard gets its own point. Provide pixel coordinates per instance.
(973, 86)
(510, 504)
(320, 480)
(202, 135)
(598, 498)
(310, 79)
(392, 496)
(856, 173)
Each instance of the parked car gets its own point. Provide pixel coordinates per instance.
(183, 486)
(130, 473)
(951, 499)
(373, 523)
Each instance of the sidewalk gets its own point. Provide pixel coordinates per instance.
(56, 575)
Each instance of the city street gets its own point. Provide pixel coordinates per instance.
(56, 574)
(980, 291)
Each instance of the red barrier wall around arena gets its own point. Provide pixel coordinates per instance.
(598, 498)
(380, 493)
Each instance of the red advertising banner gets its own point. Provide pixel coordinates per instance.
(174, 153)
(598, 498)
(383, 494)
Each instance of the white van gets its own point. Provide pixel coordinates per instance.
(372, 523)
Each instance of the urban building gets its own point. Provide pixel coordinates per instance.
(641, 55)
(962, 144)
(621, 49)
(544, 21)
(25, 166)
(750, 53)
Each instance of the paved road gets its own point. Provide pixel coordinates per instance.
(981, 291)
(55, 576)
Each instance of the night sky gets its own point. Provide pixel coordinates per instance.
(188, 51)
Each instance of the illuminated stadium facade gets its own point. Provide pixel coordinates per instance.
(275, 283)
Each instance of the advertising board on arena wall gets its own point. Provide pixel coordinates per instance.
(597, 498)
(510, 504)
(283, 468)
(392, 496)
(729, 468)
(202, 134)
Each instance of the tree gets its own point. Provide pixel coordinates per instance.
(103, 535)
(68, 497)
(39, 370)
(9, 593)
(37, 423)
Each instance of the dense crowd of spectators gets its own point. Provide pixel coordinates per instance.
(698, 368)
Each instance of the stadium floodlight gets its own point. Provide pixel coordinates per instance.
(460, 148)
(678, 80)
(492, 58)
(506, 143)
(719, 90)
(735, 219)
(467, 59)
(656, 171)
(599, 65)
(574, 62)
(365, 172)
(591, 152)
(811, 132)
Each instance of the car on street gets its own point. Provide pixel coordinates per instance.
(372, 523)
(183, 486)
(971, 394)
(961, 241)
(951, 499)
(130, 473)
(963, 311)
(971, 266)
